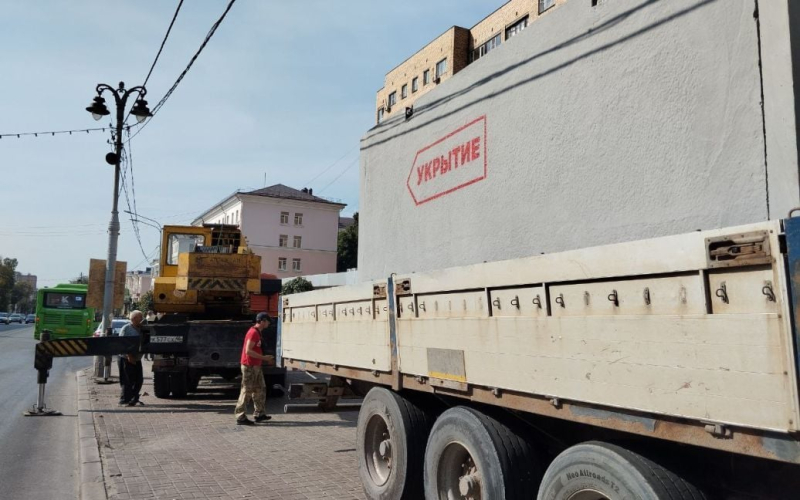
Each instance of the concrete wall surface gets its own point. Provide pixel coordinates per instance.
(628, 120)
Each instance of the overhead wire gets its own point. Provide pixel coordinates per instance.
(164, 41)
(147, 258)
(161, 48)
(340, 175)
(124, 164)
(330, 166)
(164, 99)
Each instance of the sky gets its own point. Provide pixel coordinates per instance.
(282, 93)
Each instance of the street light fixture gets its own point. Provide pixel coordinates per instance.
(141, 111)
(98, 110)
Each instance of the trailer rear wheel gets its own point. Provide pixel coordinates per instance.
(391, 436)
(602, 471)
(473, 456)
(161, 384)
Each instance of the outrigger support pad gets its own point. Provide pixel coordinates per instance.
(42, 362)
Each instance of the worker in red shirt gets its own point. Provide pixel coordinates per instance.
(253, 386)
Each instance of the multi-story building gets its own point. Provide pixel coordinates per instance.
(345, 222)
(293, 231)
(453, 51)
(139, 283)
(26, 278)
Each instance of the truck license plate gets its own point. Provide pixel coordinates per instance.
(166, 339)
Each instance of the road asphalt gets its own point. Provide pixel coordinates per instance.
(39, 456)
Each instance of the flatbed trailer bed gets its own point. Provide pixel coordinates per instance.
(686, 339)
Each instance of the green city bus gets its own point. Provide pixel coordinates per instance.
(62, 310)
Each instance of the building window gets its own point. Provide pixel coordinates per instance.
(298, 219)
(415, 84)
(441, 68)
(284, 217)
(281, 263)
(485, 48)
(380, 115)
(426, 77)
(296, 265)
(392, 99)
(545, 4)
(298, 240)
(404, 91)
(515, 28)
(283, 240)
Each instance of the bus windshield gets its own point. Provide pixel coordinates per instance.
(60, 300)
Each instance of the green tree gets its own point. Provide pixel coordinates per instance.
(347, 247)
(296, 285)
(7, 279)
(22, 297)
(146, 302)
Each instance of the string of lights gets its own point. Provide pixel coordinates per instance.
(52, 133)
(164, 99)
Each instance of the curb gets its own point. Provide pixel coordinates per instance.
(92, 486)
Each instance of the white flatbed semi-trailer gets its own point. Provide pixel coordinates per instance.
(660, 368)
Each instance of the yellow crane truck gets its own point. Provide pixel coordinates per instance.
(203, 297)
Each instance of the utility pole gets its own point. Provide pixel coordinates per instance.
(98, 110)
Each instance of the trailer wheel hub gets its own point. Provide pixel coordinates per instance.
(385, 449)
(468, 485)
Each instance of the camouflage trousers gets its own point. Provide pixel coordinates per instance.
(253, 387)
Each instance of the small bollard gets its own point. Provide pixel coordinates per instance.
(43, 361)
(106, 363)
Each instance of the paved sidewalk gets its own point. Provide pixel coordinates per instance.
(181, 449)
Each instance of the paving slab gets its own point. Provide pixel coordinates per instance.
(192, 448)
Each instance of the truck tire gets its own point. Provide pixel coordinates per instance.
(391, 436)
(472, 455)
(605, 471)
(193, 380)
(178, 385)
(161, 384)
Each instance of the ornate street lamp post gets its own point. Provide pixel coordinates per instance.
(98, 110)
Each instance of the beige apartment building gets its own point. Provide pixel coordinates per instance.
(453, 51)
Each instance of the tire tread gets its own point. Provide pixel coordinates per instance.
(673, 485)
(522, 470)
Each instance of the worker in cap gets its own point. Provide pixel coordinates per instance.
(253, 386)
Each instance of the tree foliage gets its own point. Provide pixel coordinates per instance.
(347, 247)
(296, 285)
(22, 297)
(7, 280)
(144, 304)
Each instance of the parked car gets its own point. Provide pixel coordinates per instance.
(4, 318)
(116, 324)
(31, 318)
(16, 318)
